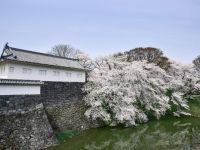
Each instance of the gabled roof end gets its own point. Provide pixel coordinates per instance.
(6, 51)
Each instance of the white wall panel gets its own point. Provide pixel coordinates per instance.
(4, 71)
(19, 89)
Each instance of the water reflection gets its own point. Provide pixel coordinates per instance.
(173, 134)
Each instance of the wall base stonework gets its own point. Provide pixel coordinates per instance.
(65, 107)
(24, 124)
(69, 116)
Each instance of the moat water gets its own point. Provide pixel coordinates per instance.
(165, 134)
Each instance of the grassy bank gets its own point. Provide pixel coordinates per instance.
(194, 104)
(62, 136)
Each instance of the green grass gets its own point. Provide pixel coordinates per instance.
(62, 136)
(194, 104)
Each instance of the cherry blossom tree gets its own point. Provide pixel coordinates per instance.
(121, 92)
(85, 61)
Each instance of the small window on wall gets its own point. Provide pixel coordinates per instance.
(79, 75)
(69, 74)
(11, 69)
(27, 70)
(24, 70)
(42, 72)
(56, 73)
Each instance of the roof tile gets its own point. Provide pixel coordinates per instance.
(42, 58)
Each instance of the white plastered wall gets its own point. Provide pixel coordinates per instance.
(76, 76)
(19, 89)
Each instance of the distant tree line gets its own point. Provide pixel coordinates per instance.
(196, 62)
(64, 50)
(148, 54)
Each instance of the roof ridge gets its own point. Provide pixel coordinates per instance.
(45, 54)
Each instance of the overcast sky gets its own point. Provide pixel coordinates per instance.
(101, 27)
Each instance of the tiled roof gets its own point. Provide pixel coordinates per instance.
(21, 55)
(20, 82)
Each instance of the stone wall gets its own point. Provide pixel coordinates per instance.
(24, 123)
(64, 106)
(28, 122)
(59, 93)
(18, 104)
